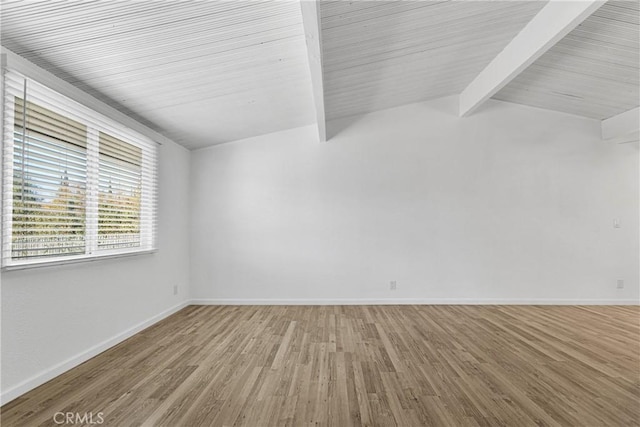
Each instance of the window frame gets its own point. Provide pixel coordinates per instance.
(98, 122)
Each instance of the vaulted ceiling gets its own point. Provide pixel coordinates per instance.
(592, 72)
(380, 54)
(209, 72)
(201, 73)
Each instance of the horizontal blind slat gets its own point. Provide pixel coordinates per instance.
(46, 122)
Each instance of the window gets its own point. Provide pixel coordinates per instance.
(119, 209)
(75, 185)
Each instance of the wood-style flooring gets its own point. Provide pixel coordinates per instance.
(359, 365)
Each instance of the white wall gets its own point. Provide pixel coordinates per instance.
(56, 317)
(513, 204)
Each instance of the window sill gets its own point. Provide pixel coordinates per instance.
(74, 260)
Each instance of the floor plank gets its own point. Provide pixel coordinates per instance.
(359, 366)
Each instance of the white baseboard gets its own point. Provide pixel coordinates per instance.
(412, 301)
(76, 360)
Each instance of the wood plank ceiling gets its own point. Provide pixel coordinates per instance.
(209, 72)
(594, 71)
(201, 72)
(380, 54)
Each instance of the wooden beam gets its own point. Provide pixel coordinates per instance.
(311, 21)
(625, 127)
(554, 21)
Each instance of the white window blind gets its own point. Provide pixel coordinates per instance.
(75, 184)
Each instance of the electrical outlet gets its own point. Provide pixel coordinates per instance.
(620, 284)
(617, 223)
(393, 285)
(175, 289)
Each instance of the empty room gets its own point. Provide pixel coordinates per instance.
(320, 213)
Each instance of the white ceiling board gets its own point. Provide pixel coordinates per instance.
(208, 72)
(549, 26)
(222, 122)
(593, 72)
(201, 73)
(380, 54)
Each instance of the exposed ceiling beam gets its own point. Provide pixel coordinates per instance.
(554, 21)
(625, 127)
(311, 22)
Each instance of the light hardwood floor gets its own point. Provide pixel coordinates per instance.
(359, 365)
